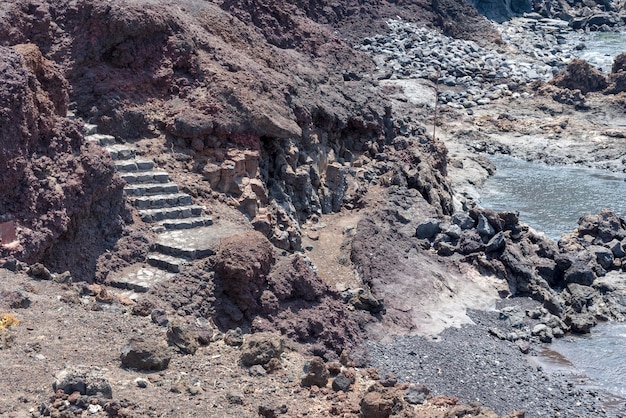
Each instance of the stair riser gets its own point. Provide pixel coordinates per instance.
(159, 203)
(121, 155)
(133, 166)
(150, 190)
(135, 287)
(138, 178)
(165, 265)
(170, 214)
(171, 226)
(183, 252)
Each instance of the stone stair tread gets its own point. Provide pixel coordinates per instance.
(155, 215)
(145, 177)
(101, 139)
(121, 152)
(134, 165)
(157, 201)
(166, 262)
(146, 189)
(197, 242)
(139, 278)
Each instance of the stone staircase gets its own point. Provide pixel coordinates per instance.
(184, 232)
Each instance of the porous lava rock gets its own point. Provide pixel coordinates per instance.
(242, 264)
(580, 75)
(55, 187)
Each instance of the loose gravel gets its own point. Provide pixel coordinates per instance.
(478, 367)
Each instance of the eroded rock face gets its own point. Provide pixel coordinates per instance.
(48, 170)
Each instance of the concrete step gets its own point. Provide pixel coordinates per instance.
(148, 189)
(185, 223)
(146, 177)
(161, 201)
(155, 215)
(139, 278)
(121, 152)
(89, 128)
(134, 165)
(100, 139)
(196, 243)
(166, 262)
(190, 252)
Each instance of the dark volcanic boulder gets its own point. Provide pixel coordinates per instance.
(579, 273)
(145, 354)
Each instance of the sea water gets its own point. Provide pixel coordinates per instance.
(551, 199)
(600, 48)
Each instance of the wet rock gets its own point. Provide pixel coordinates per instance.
(182, 337)
(580, 323)
(603, 255)
(616, 248)
(260, 348)
(82, 380)
(315, 373)
(484, 228)
(463, 220)
(496, 243)
(145, 354)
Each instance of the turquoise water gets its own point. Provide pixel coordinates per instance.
(551, 199)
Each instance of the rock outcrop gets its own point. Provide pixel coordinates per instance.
(571, 279)
(55, 187)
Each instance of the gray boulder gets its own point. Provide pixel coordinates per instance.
(145, 354)
(428, 229)
(82, 380)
